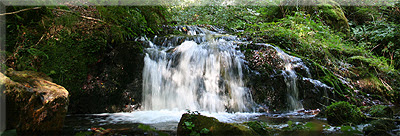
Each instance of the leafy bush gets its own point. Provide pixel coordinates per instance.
(64, 42)
(229, 17)
(380, 37)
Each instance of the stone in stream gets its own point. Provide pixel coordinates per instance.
(193, 124)
(34, 104)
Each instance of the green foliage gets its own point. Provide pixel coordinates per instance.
(22, 41)
(131, 21)
(359, 15)
(190, 126)
(342, 112)
(64, 43)
(69, 58)
(230, 17)
(290, 125)
(380, 111)
(381, 38)
(301, 35)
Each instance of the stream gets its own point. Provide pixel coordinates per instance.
(202, 71)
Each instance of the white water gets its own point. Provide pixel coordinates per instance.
(290, 62)
(198, 77)
(171, 116)
(205, 77)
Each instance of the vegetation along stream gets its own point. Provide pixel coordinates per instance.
(278, 69)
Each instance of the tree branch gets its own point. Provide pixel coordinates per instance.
(85, 17)
(22, 10)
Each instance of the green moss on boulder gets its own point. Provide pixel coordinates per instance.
(334, 16)
(193, 124)
(342, 112)
(259, 127)
(379, 127)
(381, 111)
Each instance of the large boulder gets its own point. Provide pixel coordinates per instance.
(34, 104)
(196, 124)
(342, 112)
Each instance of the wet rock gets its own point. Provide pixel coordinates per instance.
(193, 124)
(269, 76)
(314, 93)
(379, 127)
(114, 84)
(266, 79)
(342, 112)
(35, 105)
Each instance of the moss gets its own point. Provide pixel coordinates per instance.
(335, 17)
(327, 77)
(332, 14)
(379, 127)
(191, 124)
(342, 112)
(380, 111)
(259, 127)
(371, 62)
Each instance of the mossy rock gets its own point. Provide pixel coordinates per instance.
(35, 106)
(26, 76)
(329, 11)
(342, 112)
(259, 128)
(193, 124)
(334, 16)
(379, 127)
(380, 111)
(327, 77)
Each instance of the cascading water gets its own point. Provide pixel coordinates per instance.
(287, 66)
(290, 63)
(204, 71)
(206, 76)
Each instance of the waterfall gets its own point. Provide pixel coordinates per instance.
(203, 76)
(290, 62)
